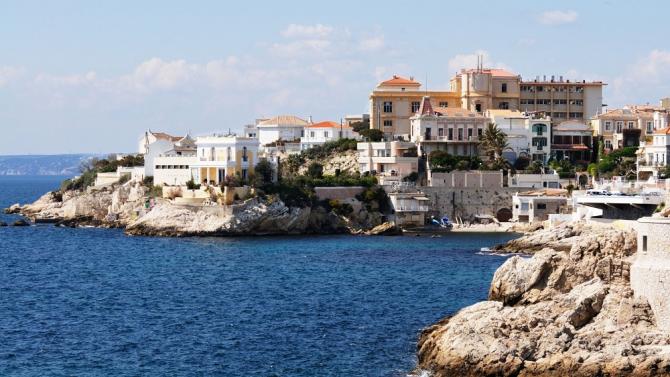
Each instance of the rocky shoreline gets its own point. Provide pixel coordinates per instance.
(124, 206)
(567, 310)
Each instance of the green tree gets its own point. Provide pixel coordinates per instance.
(372, 134)
(360, 126)
(263, 173)
(315, 170)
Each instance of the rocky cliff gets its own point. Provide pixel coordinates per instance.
(568, 310)
(123, 206)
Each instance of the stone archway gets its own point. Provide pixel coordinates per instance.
(504, 214)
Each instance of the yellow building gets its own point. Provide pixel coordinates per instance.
(221, 156)
(394, 101)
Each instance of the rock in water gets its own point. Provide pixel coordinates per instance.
(567, 311)
(385, 229)
(20, 222)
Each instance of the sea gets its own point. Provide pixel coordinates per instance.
(95, 302)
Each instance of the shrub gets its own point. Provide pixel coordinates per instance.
(124, 178)
(149, 181)
(156, 191)
(315, 170)
(372, 134)
(191, 185)
(411, 177)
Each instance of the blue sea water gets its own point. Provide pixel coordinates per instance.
(94, 302)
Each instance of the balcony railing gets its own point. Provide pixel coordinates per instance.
(465, 139)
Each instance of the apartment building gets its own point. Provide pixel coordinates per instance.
(389, 160)
(322, 132)
(653, 155)
(396, 100)
(454, 130)
(624, 127)
(219, 156)
(562, 100)
(572, 140)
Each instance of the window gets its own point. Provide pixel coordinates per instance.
(469, 133)
(504, 87)
(650, 127)
(539, 128)
(415, 106)
(541, 206)
(388, 107)
(544, 101)
(630, 125)
(440, 132)
(244, 154)
(460, 134)
(479, 132)
(527, 101)
(560, 101)
(478, 107)
(608, 126)
(619, 127)
(444, 104)
(576, 115)
(325, 133)
(388, 123)
(503, 105)
(244, 173)
(450, 134)
(311, 134)
(644, 243)
(578, 102)
(228, 154)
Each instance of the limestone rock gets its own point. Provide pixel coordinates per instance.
(385, 229)
(565, 311)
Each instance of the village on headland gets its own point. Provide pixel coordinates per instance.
(494, 152)
(587, 186)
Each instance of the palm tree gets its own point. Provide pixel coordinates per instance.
(494, 142)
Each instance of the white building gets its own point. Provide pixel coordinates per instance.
(153, 144)
(653, 157)
(319, 133)
(282, 127)
(528, 135)
(454, 130)
(390, 160)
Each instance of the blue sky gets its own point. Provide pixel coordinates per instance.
(83, 76)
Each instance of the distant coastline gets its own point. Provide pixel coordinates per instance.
(43, 164)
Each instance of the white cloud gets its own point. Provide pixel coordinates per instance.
(371, 44)
(461, 61)
(301, 47)
(646, 80)
(74, 80)
(307, 31)
(158, 74)
(9, 73)
(557, 17)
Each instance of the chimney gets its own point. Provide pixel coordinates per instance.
(544, 78)
(411, 78)
(309, 119)
(560, 78)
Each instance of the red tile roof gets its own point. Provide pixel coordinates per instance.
(327, 124)
(399, 81)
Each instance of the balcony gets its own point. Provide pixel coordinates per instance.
(446, 139)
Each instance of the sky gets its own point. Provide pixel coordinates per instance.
(91, 77)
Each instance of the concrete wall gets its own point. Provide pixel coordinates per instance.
(466, 179)
(339, 193)
(466, 203)
(650, 272)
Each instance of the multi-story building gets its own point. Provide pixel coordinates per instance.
(154, 144)
(282, 127)
(219, 156)
(528, 135)
(653, 155)
(322, 132)
(454, 130)
(390, 160)
(394, 101)
(484, 89)
(624, 127)
(562, 100)
(572, 140)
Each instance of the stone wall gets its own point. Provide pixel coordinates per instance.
(650, 272)
(466, 179)
(466, 203)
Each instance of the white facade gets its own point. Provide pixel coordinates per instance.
(534, 180)
(653, 157)
(283, 127)
(320, 133)
(222, 156)
(392, 158)
(173, 170)
(154, 144)
(522, 134)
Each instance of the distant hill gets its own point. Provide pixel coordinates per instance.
(59, 164)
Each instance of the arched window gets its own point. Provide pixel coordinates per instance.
(244, 154)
